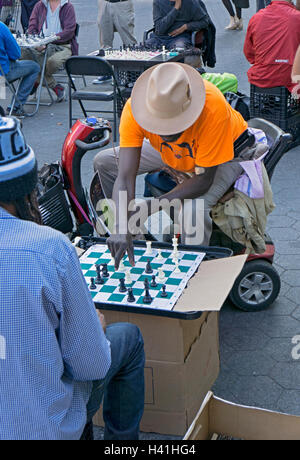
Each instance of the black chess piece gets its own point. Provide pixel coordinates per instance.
(146, 283)
(93, 285)
(99, 279)
(130, 297)
(105, 273)
(147, 297)
(148, 269)
(122, 287)
(101, 53)
(153, 282)
(163, 292)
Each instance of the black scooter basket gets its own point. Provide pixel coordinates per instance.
(53, 204)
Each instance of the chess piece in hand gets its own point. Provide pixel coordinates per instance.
(118, 246)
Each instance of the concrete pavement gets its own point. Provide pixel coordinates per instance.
(257, 367)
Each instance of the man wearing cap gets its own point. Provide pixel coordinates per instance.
(57, 358)
(174, 119)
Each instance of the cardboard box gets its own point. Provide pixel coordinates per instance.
(217, 416)
(182, 355)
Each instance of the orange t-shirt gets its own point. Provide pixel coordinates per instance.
(208, 142)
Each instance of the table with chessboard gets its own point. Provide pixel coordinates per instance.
(107, 295)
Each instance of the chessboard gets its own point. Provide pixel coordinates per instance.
(128, 54)
(34, 41)
(164, 295)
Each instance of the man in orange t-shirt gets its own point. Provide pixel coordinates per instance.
(175, 119)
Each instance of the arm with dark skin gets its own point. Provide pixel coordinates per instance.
(121, 242)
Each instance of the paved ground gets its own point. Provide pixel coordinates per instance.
(257, 367)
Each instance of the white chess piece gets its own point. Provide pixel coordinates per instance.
(149, 248)
(159, 256)
(121, 266)
(128, 279)
(177, 269)
(161, 275)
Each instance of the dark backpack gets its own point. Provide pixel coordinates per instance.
(239, 102)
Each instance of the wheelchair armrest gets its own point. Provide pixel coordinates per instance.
(147, 33)
(197, 38)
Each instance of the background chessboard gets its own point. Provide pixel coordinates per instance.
(108, 293)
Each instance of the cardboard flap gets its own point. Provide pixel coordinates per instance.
(209, 288)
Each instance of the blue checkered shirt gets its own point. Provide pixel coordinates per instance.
(52, 345)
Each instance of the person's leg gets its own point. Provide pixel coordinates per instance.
(105, 23)
(123, 19)
(28, 71)
(105, 162)
(239, 19)
(228, 5)
(56, 62)
(182, 41)
(26, 10)
(197, 227)
(123, 386)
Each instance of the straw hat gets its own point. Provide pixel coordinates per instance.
(168, 98)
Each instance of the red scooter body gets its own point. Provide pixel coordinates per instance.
(85, 135)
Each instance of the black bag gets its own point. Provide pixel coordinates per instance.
(239, 102)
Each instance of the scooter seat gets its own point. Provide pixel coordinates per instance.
(160, 180)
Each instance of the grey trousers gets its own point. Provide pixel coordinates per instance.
(106, 165)
(116, 17)
(57, 56)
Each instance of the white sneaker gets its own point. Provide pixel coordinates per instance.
(233, 23)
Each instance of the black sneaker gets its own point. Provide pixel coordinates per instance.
(17, 112)
(60, 93)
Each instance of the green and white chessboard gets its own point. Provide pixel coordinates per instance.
(108, 293)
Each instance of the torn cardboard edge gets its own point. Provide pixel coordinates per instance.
(242, 422)
(208, 289)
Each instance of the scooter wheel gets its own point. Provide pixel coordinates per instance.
(257, 286)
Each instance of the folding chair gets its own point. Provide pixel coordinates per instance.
(14, 89)
(92, 66)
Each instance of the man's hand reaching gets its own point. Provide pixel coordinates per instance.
(118, 246)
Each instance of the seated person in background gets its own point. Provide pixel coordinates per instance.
(54, 17)
(14, 69)
(272, 39)
(175, 20)
(57, 358)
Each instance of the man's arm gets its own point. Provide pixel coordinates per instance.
(163, 22)
(69, 25)
(192, 188)
(124, 187)
(11, 46)
(296, 68)
(200, 17)
(249, 51)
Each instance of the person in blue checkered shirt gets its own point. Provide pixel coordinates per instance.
(57, 357)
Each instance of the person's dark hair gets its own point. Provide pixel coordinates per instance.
(27, 208)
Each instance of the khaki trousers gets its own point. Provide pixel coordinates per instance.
(116, 17)
(57, 56)
(196, 229)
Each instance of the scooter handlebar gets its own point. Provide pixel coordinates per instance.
(94, 145)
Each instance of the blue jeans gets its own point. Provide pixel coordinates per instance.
(181, 41)
(123, 386)
(29, 72)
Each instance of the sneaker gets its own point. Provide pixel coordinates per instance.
(60, 92)
(17, 112)
(34, 89)
(101, 80)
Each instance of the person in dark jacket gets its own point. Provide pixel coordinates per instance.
(26, 10)
(174, 21)
(54, 17)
